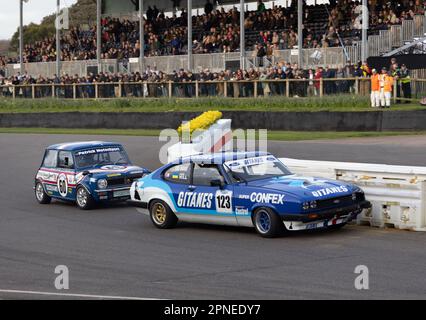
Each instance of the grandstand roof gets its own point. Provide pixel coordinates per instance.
(112, 7)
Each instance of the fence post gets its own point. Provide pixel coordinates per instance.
(357, 86)
(74, 91)
(255, 88)
(395, 87)
(287, 88)
(170, 90)
(225, 89)
(53, 90)
(196, 89)
(33, 91)
(14, 92)
(321, 87)
(96, 91)
(120, 92)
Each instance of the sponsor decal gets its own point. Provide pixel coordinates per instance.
(113, 168)
(195, 200)
(327, 191)
(249, 162)
(244, 196)
(51, 188)
(47, 176)
(241, 211)
(273, 198)
(97, 150)
(113, 175)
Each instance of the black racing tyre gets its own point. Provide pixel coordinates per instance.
(41, 195)
(161, 215)
(267, 223)
(336, 226)
(84, 199)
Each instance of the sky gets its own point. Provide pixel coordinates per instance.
(34, 11)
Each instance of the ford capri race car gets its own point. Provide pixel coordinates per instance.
(244, 189)
(87, 173)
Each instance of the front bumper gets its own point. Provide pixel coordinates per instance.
(113, 194)
(335, 213)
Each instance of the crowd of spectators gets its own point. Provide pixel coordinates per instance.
(155, 83)
(217, 30)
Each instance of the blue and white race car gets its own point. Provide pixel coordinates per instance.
(251, 189)
(87, 173)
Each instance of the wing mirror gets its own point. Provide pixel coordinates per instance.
(218, 183)
(86, 173)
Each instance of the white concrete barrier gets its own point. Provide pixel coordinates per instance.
(218, 137)
(397, 193)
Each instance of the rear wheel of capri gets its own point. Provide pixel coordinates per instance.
(84, 199)
(161, 215)
(267, 223)
(41, 195)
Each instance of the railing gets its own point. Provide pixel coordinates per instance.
(234, 89)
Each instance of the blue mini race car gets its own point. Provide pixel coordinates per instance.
(251, 189)
(87, 173)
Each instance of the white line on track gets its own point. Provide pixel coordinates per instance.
(75, 295)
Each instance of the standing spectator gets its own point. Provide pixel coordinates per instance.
(405, 82)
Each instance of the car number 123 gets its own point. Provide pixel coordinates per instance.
(223, 200)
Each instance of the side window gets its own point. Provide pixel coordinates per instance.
(179, 174)
(204, 174)
(50, 159)
(65, 160)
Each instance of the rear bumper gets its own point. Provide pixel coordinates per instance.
(352, 210)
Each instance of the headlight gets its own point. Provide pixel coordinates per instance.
(102, 183)
(309, 205)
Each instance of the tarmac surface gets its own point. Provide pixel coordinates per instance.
(115, 252)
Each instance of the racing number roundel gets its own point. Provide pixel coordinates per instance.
(63, 185)
(223, 201)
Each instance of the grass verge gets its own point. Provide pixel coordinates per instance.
(330, 103)
(272, 135)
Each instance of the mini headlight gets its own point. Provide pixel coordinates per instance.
(305, 205)
(313, 204)
(102, 183)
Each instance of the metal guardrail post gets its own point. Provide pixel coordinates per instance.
(170, 90)
(255, 89)
(33, 91)
(321, 87)
(14, 92)
(225, 89)
(53, 90)
(96, 91)
(74, 91)
(120, 90)
(357, 86)
(197, 93)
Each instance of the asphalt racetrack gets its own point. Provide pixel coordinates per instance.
(115, 251)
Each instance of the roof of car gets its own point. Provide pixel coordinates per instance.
(222, 156)
(80, 145)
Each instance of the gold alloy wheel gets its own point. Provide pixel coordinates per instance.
(159, 213)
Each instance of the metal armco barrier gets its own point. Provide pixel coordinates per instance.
(398, 193)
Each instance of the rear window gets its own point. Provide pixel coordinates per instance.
(179, 173)
(50, 159)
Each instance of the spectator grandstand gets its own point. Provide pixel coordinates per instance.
(217, 30)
